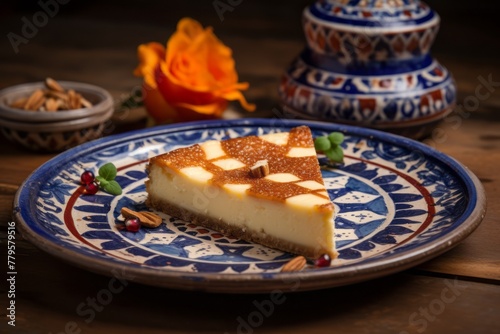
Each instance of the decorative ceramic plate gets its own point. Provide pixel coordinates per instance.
(398, 203)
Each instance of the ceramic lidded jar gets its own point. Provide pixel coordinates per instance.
(367, 63)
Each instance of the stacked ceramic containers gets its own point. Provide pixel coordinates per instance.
(367, 63)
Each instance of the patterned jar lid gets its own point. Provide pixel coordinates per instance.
(358, 32)
(373, 16)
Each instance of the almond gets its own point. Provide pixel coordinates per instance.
(35, 100)
(86, 103)
(51, 104)
(71, 99)
(53, 98)
(53, 85)
(63, 105)
(147, 219)
(296, 264)
(78, 101)
(56, 95)
(19, 103)
(260, 169)
(152, 220)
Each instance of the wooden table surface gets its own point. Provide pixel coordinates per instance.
(95, 42)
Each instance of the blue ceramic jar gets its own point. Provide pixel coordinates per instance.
(367, 63)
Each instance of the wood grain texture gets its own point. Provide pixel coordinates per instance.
(393, 304)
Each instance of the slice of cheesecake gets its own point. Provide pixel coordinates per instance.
(266, 189)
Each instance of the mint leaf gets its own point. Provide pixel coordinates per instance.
(336, 138)
(108, 171)
(335, 154)
(322, 144)
(112, 187)
(102, 181)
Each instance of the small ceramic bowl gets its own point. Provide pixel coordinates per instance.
(55, 136)
(101, 101)
(54, 131)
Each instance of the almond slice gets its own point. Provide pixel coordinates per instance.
(51, 104)
(260, 169)
(37, 106)
(63, 105)
(86, 103)
(19, 103)
(74, 99)
(71, 96)
(52, 98)
(77, 104)
(56, 95)
(147, 219)
(296, 264)
(53, 85)
(152, 220)
(35, 101)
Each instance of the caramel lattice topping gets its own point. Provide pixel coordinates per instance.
(294, 174)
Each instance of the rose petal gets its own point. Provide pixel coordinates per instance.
(238, 96)
(176, 94)
(157, 107)
(214, 108)
(150, 55)
(189, 27)
(199, 52)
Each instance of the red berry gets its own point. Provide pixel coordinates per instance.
(87, 177)
(323, 261)
(91, 188)
(132, 224)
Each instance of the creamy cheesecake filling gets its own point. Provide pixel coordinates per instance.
(311, 229)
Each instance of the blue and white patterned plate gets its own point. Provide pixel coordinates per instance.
(398, 203)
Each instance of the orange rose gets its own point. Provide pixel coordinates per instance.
(193, 78)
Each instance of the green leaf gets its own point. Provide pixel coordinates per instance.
(102, 181)
(336, 138)
(108, 171)
(112, 187)
(322, 144)
(335, 154)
